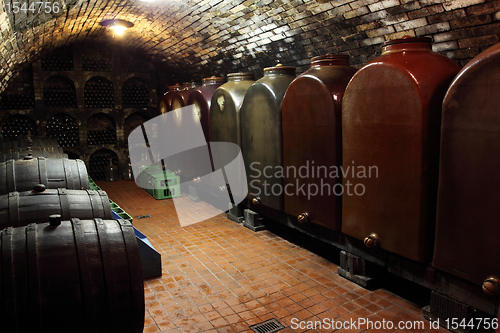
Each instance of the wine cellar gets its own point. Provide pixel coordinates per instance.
(237, 166)
(91, 101)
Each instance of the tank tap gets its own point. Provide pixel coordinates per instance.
(303, 218)
(372, 241)
(491, 286)
(256, 201)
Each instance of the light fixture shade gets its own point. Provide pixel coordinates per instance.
(118, 25)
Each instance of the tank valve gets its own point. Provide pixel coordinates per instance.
(177, 172)
(197, 180)
(222, 188)
(372, 241)
(256, 201)
(55, 220)
(303, 218)
(39, 188)
(491, 286)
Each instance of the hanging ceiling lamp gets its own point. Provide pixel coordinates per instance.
(118, 26)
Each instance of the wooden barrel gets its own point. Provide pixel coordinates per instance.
(23, 208)
(72, 276)
(23, 175)
(20, 154)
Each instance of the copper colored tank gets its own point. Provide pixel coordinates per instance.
(201, 98)
(262, 138)
(181, 96)
(312, 139)
(165, 102)
(391, 115)
(467, 227)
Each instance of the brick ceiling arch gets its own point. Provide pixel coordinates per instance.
(219, 36)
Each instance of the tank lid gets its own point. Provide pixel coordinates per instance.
(212, 79)
(280, 69)
(408, 39)
(407, 43)
(240, 76)
(331, 59)
(175, 87)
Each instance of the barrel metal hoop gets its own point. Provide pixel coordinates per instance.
(6, 268)
(85, 278)
(82, 174)
(14, 217)
(94, 206)
(107, 265)
(106, 207)
(33, 275)
(42, 170)
(70, 177)
(11, 174)
(135, 272)
(63, 199)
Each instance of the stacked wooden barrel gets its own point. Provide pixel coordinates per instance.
(61, 249)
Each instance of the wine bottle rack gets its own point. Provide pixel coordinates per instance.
(108, 136)
(18, 125)
(96, 64)
(65, 129)
(17, 101)
(59, 97)
(57, 63)
(135, 95)
(98, 162)
(99, 94)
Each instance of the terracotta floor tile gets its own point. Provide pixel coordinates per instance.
(219, 276)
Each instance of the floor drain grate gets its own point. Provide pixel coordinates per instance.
(269, 326)
(143, 216)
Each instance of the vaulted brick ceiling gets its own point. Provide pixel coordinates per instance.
(219, 36)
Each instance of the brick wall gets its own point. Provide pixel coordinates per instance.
(215, 37)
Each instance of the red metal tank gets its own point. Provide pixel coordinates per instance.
(201, 98)
(261, 136)
(181, 96)
(391, 114)
(312, 140)
(467, 228)
(165, 102)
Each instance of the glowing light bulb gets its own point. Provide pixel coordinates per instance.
(118, 29)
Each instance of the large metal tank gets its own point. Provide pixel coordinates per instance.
(201, 98)
(391, 115)
(225, 116)
(165, 102)
(467, 227)
(181, 96)
(261, 136)
(312, 140)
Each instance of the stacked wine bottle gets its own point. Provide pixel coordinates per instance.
(17, 101)
(108, 136)
(96, 64)
(99, 94)
(57, 63)
(18, 125)
(59, 97)
(64, 129)
(135, 95)
(98, 163)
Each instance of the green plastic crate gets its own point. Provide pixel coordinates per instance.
(161, 185)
